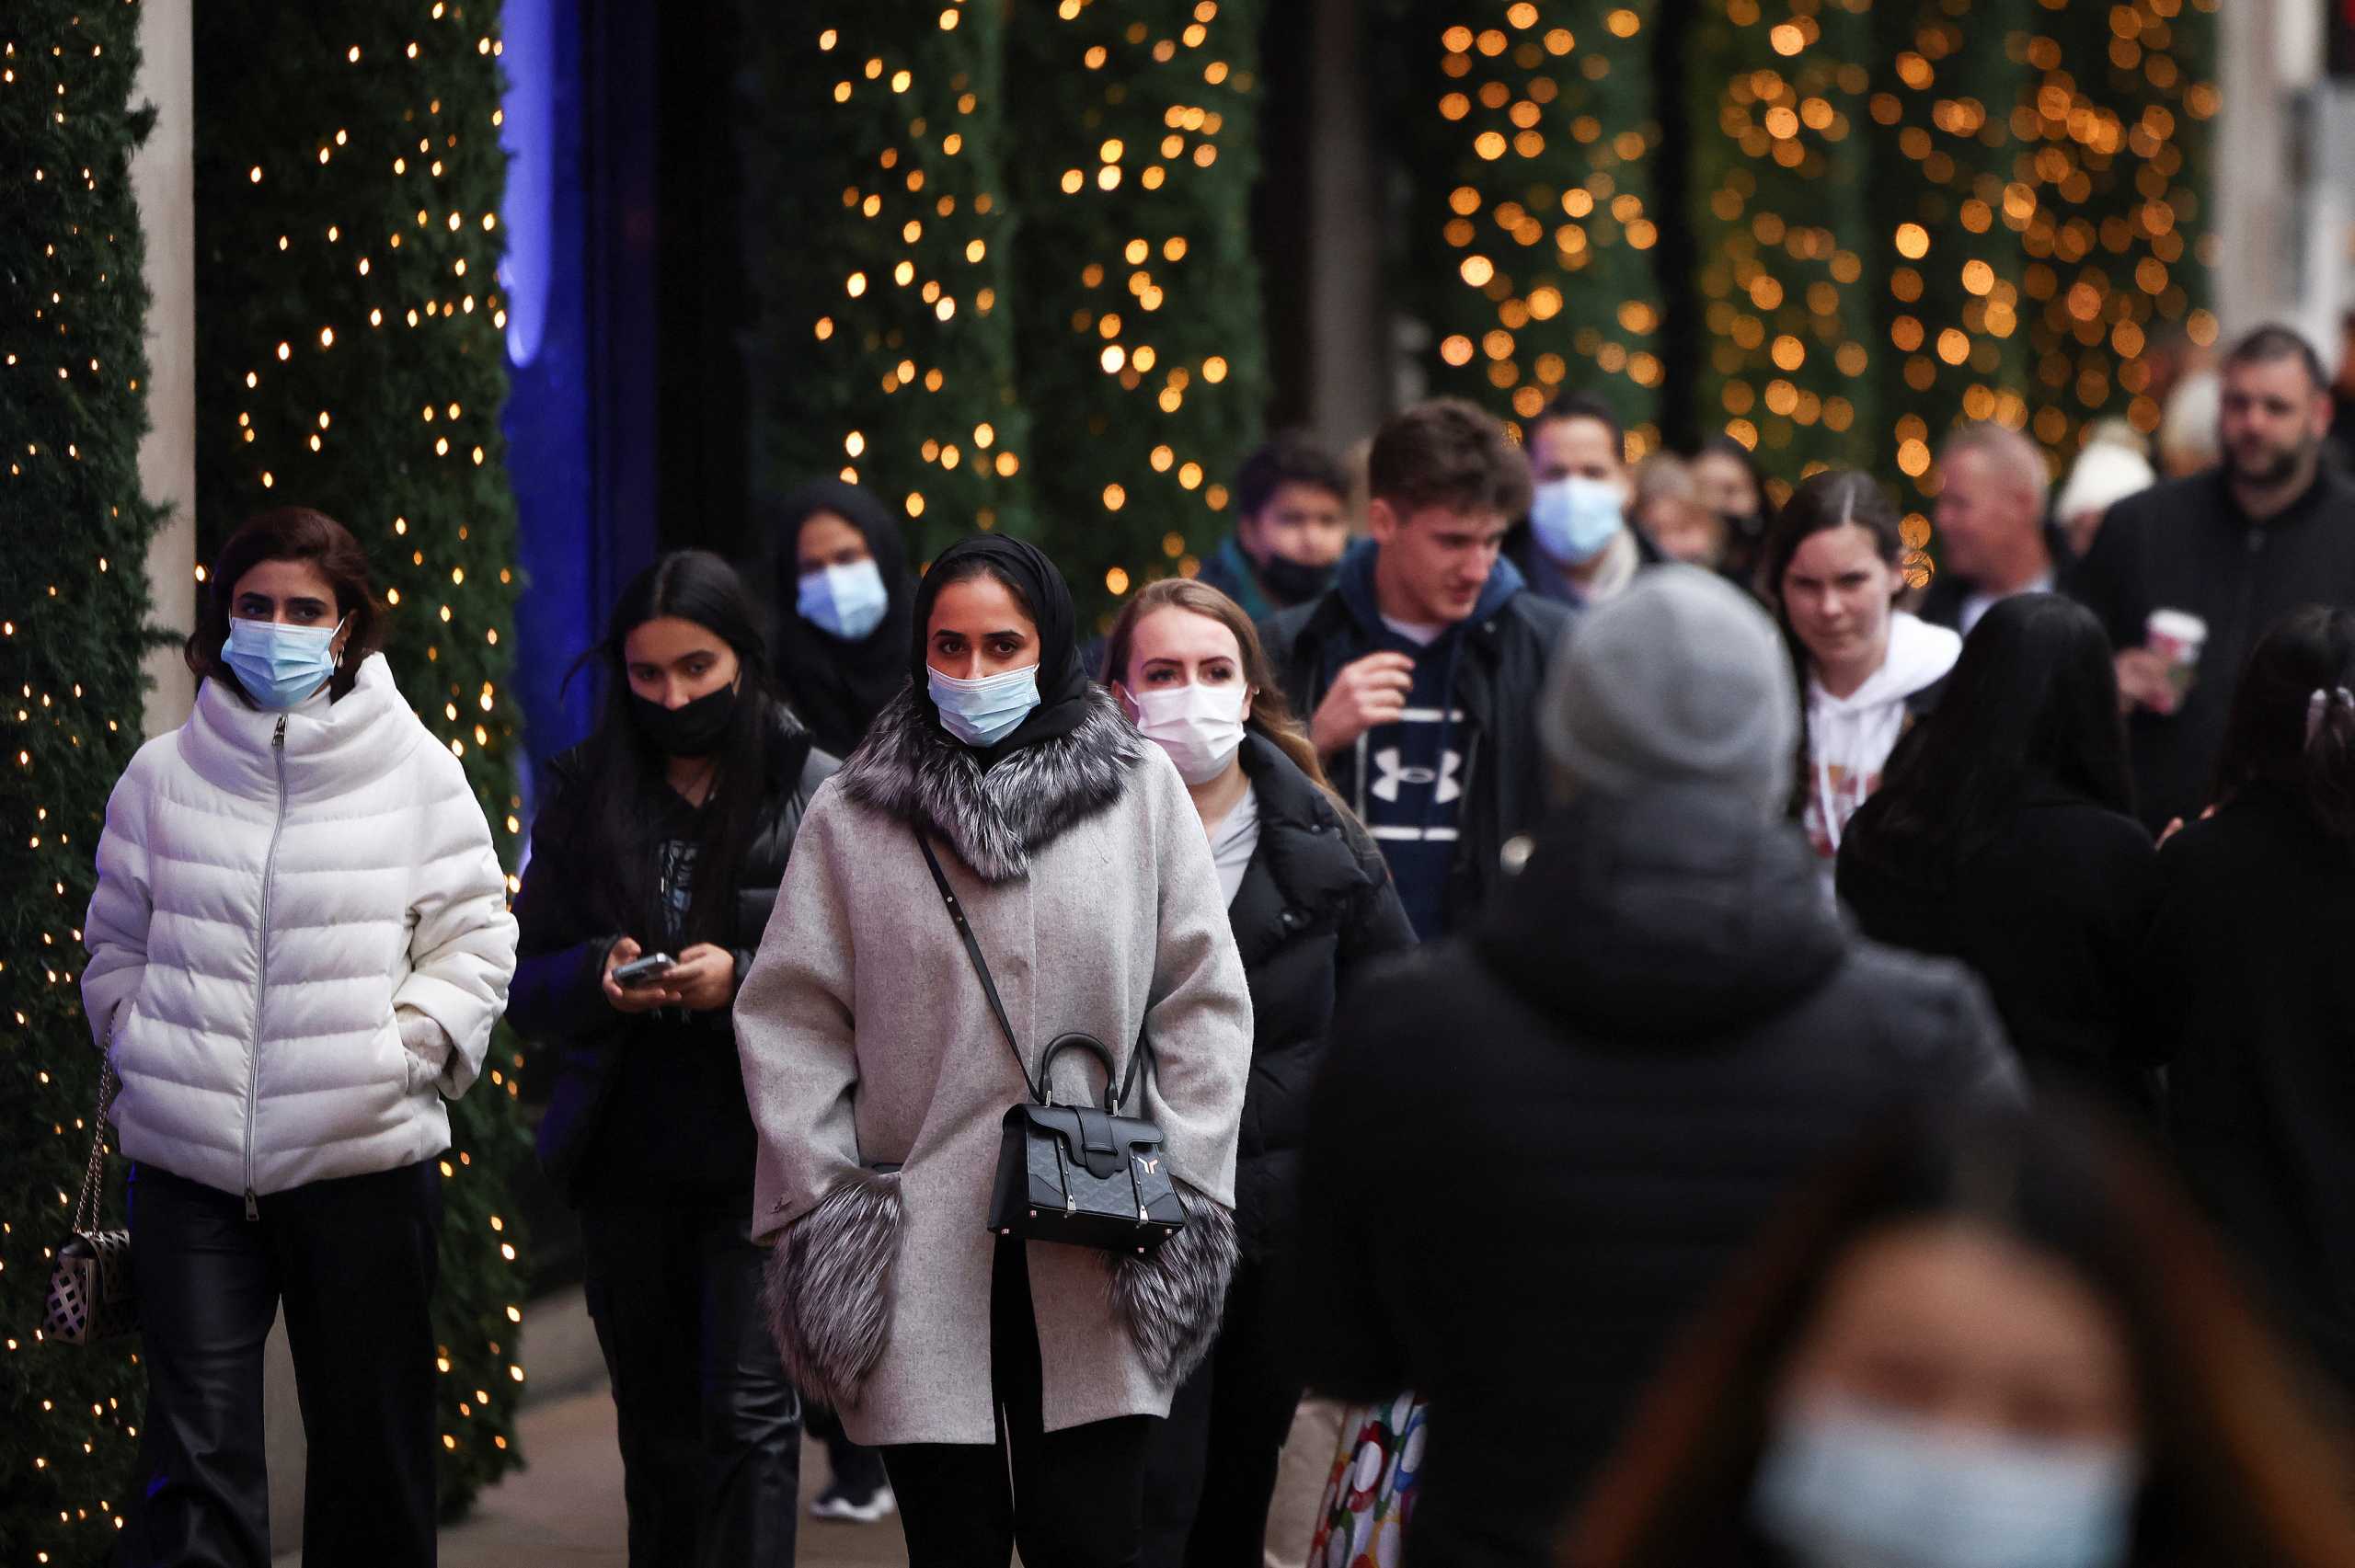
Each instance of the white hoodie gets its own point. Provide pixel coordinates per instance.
(1849, 738)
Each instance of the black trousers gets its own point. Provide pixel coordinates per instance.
(1210, 1472)
(857, 1471)
(710, 1429)
(354, 1262)
(1068, 1499)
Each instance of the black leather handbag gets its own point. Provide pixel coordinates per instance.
(1073, 1174)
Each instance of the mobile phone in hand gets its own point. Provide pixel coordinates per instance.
(643, 972)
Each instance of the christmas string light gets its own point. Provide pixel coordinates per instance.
(1785, 231)
(2115, 123)
(1539, 221)
(1134, 152)
(351, 357)
(884, 351)
(72, 372)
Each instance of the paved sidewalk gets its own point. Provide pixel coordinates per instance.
(566, 1510)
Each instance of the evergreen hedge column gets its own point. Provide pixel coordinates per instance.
(1534, 215)
(1132, 130)
(2116, 118)
(1944, 188)
(871, 138)
(351, 357)
(72, 601)
(1791, 254)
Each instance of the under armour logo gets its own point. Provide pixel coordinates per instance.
(1386, 787)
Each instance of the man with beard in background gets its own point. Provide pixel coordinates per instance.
(2188, 575)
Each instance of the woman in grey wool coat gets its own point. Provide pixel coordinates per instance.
(878, 1078)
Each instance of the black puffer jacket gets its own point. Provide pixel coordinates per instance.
(1315, 904)
(1535, 1151)
(557, 1000)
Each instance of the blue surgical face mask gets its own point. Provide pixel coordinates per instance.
(985, 711)
(847, 600)
(1575, 519)
(277, 664)
(1850, 1486)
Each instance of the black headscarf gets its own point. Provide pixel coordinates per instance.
(1064, 687)
(838, 686)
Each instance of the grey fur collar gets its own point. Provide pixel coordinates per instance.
(995, 821)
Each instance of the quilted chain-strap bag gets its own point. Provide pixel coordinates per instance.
(89, 1288)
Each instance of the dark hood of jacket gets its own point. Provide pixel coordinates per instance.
(1354, 581)
(1676, 916)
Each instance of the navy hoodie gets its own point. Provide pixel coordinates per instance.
(1410, 777)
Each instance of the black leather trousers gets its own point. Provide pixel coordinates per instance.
(710, 1429)
(353, 1262)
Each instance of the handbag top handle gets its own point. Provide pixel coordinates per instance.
(1037, 1090)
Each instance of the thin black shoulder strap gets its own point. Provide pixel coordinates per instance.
(981, 966)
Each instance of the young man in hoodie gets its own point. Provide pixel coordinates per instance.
(1419, 668)
(1657, 1029)
(1292, 524)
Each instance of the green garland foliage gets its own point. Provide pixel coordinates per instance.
(349, 357)
(1534, 212)
(1133, 146)
(2115, 115)
(73, 601)
(1790, 252)
(1943, 188)
(884, 349)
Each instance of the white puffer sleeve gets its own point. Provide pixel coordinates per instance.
(116, 929)
(462, 946)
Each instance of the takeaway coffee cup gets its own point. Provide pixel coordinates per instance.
(2178, 636)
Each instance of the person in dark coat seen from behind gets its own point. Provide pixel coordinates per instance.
(2250, 980)
(1583, 1109)
(2004, 838)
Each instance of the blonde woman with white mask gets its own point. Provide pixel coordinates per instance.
(1310, 899)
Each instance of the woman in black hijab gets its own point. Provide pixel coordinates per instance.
(843, 587)
(878, 1077)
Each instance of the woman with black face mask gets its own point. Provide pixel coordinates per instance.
(664, 837)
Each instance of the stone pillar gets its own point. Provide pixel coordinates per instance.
(163, 179)
(1351, 362)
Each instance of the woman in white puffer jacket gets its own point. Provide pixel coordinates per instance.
(299, 945)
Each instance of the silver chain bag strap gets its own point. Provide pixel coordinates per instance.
(89, 1288)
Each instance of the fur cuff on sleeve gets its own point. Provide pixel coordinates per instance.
(1173, 1299)
(828, 1294)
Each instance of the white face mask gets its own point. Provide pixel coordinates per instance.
(1199, 726)
(1848, 1485)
